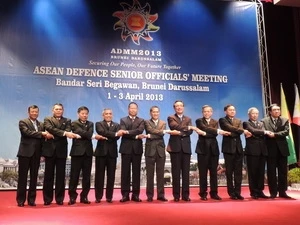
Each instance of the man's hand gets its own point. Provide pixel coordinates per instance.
(200, 132)
(141, 136)
(70, 135)
(224, 133)
(121, 133)
(100, 137)
(247, 133)
(174, 132)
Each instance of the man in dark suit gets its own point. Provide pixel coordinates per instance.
(207, 150)
(256, 154)
(233, 151)
(106, 154)
(155, 155)
(131, 148)
(81, 156)
(30, 149)
(55, 152)
(278, 151)
(180, 151)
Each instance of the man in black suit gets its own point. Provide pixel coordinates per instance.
(106, 154)
(180, 151)
(207, 150)
(30, 149)
(81, 156)
(233, 151)
(131, 148)
(55, 152)
(256, 154)
(155, 155)
(278, 151)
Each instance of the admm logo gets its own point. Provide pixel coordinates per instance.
(135, 21)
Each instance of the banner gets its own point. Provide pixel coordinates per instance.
(107, 54)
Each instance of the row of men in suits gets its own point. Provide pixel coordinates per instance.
(50, 140)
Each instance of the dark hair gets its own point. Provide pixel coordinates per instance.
(178, 101)
(227, 106)
(32, 107)
(59, 105)
(272, 105)
(151, 109)
(132, 103)
(81, 108)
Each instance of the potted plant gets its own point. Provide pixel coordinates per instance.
(294, 178)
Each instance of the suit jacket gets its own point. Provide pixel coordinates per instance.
(109, 146)
(182, 141)
(232, 143)
(59, 145)
(129, 144)
(255, 145)
(208, 142)
(281, 131)
(84, 144)
(31, 140)
(156, 141)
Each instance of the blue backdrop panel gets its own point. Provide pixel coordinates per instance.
(203, 52)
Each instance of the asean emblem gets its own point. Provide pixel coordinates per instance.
(136, 21)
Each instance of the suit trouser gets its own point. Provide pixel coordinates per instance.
(79, 163)
(234, 167)
(278, 163)
(158, 163)
(256, 173)
(208, 162)
(180, 164)
(32, 164)
(102, 163)
(129, 160)
(59, 166)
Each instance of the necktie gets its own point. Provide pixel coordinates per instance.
(108, 124)
(35, 126)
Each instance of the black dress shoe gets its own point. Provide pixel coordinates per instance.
(284, 195)
(59, 203)
(186, 199)
(97, 200)
(21, 204)
(109, 200)
(233, 197)
(254, 197)
(149, 199)
(163, 199)
(273, 196)
(203, 198)
(31, 204)
(216, 197)
(239, 197)
(262, 195)
(124, 199)
(72, 201)
(85, 201)
(135, 199)
(176, 199)
(47, 203)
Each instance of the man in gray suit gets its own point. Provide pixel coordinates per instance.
(155, 154)
(278, 151)
(30, 149)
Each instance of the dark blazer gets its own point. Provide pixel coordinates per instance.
(156, 141)
(232, 143)
(281, 130)
(255, 145)
(31, 140)
(182, 141)
(58, 145)
(208, 142)
(129, 144)
(84, 144)
(109, 146)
